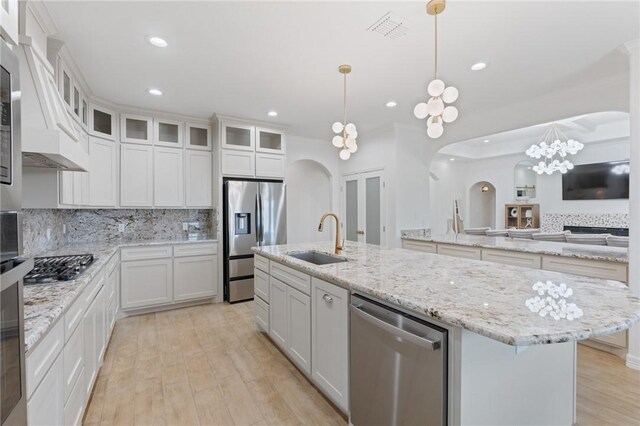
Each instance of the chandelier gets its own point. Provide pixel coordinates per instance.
(552, 150)
(346, 137)
(434, 110)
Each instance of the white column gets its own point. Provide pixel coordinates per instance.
(633, 50)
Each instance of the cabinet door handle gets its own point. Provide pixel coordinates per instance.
(360, 232)
(327, 298)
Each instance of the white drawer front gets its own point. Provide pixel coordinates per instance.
(296, 279)
(92, 289)
(261, 310)
(42, 356)
(200, 249)
(74, 408)
(512, 258)
(589, 268)
(144, 253)
(423, 246)
(459, 251)
(261, 284)
(113, 262)
(73, 360)
(73, 316)
(261, 263)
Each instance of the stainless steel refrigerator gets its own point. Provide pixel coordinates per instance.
(255, 214)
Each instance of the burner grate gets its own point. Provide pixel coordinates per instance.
(58, 268)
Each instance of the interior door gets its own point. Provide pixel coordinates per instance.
(363, 207)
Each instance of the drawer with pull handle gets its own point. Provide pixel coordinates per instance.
(40, 358)
(296, 279)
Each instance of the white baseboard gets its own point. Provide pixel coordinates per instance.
(633, 362)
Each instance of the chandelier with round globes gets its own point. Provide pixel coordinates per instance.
(552, 150)
(345, 139)
(436, 110)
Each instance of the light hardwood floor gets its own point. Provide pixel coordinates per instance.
(209, 365)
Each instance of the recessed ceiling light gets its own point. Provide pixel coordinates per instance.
(157, 41)
(391, 104)
(452, 159)
(272, 113)
(486, 141)
(155, 92)
(478, 66)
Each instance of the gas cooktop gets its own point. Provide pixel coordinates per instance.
(58, 268)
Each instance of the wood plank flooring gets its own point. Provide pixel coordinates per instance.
(209, 365)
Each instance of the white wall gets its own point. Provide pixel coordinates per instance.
(445, 185)
(482, 205)
(499, 171)
(313, 188)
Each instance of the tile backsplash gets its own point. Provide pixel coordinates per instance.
(103, 225)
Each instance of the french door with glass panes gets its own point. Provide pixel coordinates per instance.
(363, 213)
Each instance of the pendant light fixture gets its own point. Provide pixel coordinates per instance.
(552, 150)
(346, 132)
(435, 110)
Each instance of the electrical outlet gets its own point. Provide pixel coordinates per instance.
(48, 234)
(121, 227)
(185, 226)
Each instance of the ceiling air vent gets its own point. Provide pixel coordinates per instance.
(390, 26)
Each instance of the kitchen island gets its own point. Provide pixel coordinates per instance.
(511, 359)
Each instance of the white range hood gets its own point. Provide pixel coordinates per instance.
(49, 138)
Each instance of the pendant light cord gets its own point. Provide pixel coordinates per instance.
(344, 97)
(436, 45)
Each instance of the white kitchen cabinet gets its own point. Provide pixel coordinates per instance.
(278, 312)
(103, 157)
(136, 129)
(168, 132)
(9, 21)
(136, 175)
(459, 251)
(65, 86)
(73, 360)
(261, 312)
(67, 188)
(299, 328)
(261, 284)
(195, 277)
(330, 340)
(93, 340)
(270, 141)
(146, 283)
(102, 122)
(237, 163)
(198, 136)
(270, 165)
(101, 326)
(237, 136)
(199, 177)
(46, 405)
(74, 408)
(168, 177)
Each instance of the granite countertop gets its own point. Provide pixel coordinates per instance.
(45, 304)
(496, 301)
(580, 251)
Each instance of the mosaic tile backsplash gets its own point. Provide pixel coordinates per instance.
(555, 222)
(102, 225)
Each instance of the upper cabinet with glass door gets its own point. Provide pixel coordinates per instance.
(198, 137)
(9, 20)
(102, 122)
(237, 136)
(269, 140)
(136, 129)
(168, 132)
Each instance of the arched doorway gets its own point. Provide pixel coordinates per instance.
(482, 205)
(309, 196)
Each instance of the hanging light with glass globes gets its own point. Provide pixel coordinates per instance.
(435, 109)
(346, 132)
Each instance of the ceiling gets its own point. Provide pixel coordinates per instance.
(589, 128)
(246, 58)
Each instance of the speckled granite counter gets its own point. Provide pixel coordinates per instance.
(490, 300)
(606, 253)
(45, 304)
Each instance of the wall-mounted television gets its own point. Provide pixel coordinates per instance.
(598, 181)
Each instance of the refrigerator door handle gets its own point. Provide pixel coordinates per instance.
(260, 232)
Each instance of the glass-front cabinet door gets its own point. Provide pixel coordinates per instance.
(269, 140)
(198, 137)
(102, 122)
(167, 132)
(136, 129)
(238, 136)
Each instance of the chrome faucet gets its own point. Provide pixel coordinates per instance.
(338, 247)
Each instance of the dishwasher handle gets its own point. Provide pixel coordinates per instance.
(397, 332)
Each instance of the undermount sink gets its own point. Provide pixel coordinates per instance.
(317, 258)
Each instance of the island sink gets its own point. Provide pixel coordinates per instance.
(317, 258)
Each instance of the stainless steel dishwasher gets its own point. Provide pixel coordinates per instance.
(398, 367)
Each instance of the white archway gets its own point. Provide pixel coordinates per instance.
(309, 196)
(482, 205)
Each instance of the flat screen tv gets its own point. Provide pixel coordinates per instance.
(598, 181)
